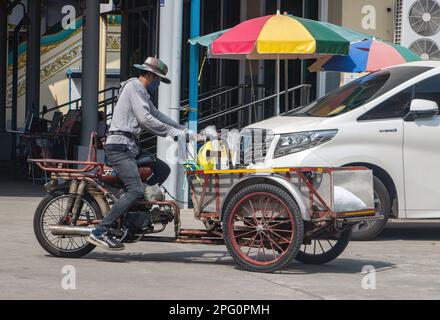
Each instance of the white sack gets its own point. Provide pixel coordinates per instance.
(346, 201)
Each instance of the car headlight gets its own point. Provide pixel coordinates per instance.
(296, 142)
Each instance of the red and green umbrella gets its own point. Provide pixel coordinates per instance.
(280, 36)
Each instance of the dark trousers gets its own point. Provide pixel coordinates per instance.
(124, 163)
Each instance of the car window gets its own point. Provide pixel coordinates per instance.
(395, 107)
(358, 92)
(429, 89)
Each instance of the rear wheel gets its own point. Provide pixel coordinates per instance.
(52, 211)
(263, 228)
(324, 249)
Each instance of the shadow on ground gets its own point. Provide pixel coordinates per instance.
(416, 231)
(206, 257)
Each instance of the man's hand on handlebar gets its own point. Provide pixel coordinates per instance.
(191, 136)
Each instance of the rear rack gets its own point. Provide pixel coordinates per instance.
(57, 166)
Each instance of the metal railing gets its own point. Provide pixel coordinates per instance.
(225, 107)
(76, 104)
(211, 102)
(109, 102)
(217, 101)
(206, 94)
(241, 115)
(260, 110)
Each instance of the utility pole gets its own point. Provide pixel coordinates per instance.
(90, 71)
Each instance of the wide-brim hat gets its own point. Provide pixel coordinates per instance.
(156, 66)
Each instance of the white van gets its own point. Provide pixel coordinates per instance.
(387, 121)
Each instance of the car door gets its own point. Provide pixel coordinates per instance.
(382, 127)
(421, 155)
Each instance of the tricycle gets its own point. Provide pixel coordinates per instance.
(265, 217)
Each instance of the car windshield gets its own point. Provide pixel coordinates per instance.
(358, 92)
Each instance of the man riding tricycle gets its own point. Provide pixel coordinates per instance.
(265, 216)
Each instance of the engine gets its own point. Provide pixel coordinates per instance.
(139, 222)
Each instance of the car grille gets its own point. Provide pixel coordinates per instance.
(254, 145)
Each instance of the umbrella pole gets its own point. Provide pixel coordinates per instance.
(286, 85)
(277, 87)
(277, 73)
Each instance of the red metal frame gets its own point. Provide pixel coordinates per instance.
(300, 172)
(59, 168)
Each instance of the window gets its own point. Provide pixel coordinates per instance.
(395, 107)
(359, 92)
(429, 89)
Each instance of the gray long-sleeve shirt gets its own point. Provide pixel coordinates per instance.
(135, 112)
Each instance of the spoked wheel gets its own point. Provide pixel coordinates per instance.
(53, 211)
(263, 228)
(324, 249)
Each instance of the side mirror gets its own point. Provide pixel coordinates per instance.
(421, 109)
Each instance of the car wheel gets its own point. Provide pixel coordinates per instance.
(369, 230)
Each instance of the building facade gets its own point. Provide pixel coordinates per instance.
(375, 17)
(131, 34)
(130, 30)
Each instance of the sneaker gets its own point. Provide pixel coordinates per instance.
(154, 194)
(105, 241)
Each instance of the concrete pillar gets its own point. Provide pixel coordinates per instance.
(170, 47)
(124, 45)
(90, 70)
(33, 58)
(3, 62)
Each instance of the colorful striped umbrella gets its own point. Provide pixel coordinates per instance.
(280, 36)
(366, 56)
